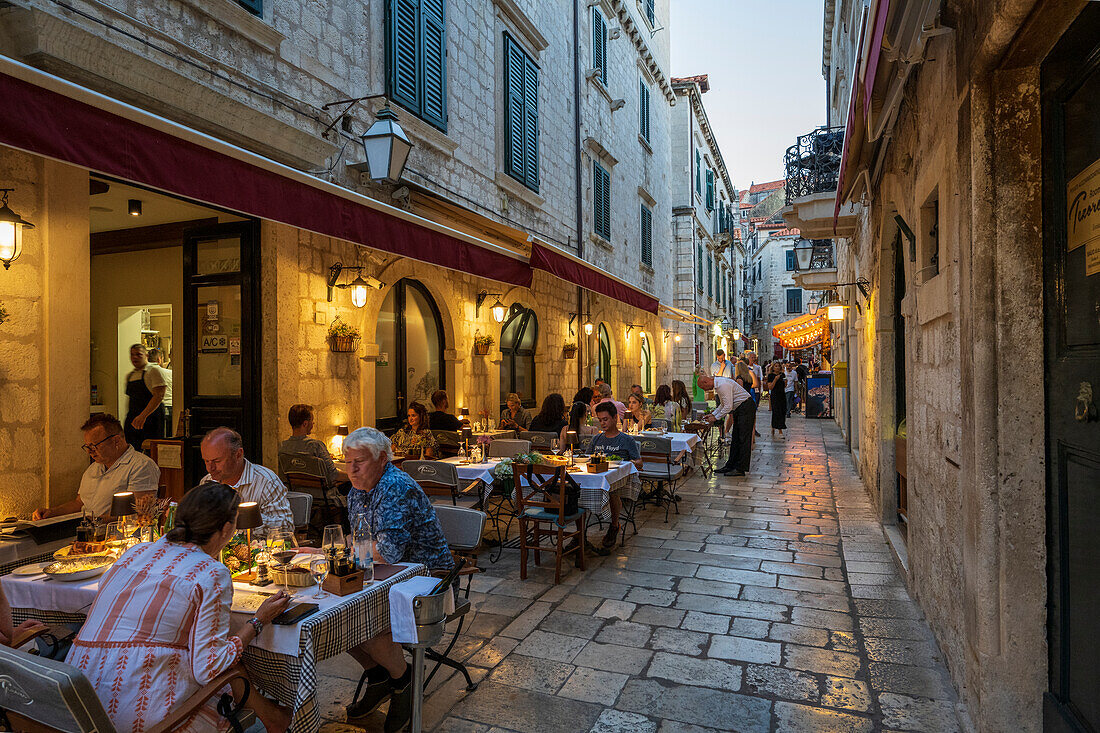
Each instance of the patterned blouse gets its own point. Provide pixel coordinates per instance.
(405, 439)
(157, 632)
(402, 520)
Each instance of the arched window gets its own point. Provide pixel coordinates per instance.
(410, 343)
(518, 338)
(603, 366)
(647, 366)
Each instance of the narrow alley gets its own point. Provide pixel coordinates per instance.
(769, 604)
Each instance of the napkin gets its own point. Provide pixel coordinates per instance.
(402, 620)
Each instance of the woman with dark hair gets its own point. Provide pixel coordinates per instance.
(682, 398)
(666, 407)
(158, 630)
(636, 415)
(415, 435)
(551, 417)
(578, 413)
(584, 394)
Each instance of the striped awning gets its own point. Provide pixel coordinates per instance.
(802, 332)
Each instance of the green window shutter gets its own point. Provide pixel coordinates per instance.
(698, 173)
(710, 278)
(599, 44)
(403, 57)
(643, 107)
(647, 236)
(651, 12)
(710, 190)
(521, 116)
(256, 7)
(434, 59)
(699, 267)
(601, 201)
(531, 123)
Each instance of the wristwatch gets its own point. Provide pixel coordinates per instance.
(256, 624)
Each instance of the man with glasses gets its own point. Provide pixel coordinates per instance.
(116, 467)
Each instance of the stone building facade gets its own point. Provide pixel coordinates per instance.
(772, 294)
(964, 148)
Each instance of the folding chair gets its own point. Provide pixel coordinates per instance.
(448, 442)
(703, 430)
(660, 469)
(506, 448)
(303, 472)
(301, 508)
(547, 517)
(539, 440)
(438, 478)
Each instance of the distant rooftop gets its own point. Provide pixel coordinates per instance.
(701, 80)
(771, 186)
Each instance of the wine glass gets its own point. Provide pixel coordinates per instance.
(318, 568)
(284, 546)
(332, 540)
(554, 446)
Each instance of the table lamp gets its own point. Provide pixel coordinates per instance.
(467, 435)
(336, 444)
(248, 519)
(122, 507)
(571, 443)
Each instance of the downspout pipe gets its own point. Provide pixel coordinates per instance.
(582, 354)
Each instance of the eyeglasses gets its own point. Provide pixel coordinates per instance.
(89, 447)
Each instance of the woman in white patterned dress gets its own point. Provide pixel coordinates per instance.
(159, 627)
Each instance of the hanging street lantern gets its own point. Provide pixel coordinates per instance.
(737, 334)
(803, 255)
(387, 147)
(835, 311)
(11, 231)
(588, 328)
(358, 291)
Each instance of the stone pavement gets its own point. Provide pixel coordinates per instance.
(771, 603)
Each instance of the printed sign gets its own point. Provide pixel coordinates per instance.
(212, 308)
(170, 456)
(1092, 257)
(234, 345)
(1083, 208)
(216, 343)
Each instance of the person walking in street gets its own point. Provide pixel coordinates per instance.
(776, 382)
(791, 378)
(733, 400)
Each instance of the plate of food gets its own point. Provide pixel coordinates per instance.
(78, 549)
(80, 567)
(35, 568)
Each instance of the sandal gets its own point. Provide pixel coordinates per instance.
(609, 539)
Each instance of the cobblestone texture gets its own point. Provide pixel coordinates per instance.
(729, 636)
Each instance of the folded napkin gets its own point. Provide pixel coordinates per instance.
(402, 620)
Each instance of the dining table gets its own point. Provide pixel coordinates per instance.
(281, 661)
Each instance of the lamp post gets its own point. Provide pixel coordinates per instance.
(11, 231)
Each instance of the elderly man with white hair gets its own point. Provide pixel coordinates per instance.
(405, 529)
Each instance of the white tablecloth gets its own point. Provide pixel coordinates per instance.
(680, 441)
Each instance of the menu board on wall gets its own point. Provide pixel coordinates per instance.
(1083, 216)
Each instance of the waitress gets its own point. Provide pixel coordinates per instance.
(145, 387)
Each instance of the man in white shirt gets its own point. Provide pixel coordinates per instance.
(223, 453)
(734, 400)
(791, 385)
(116, 467)
(158, 359)
(721, 367)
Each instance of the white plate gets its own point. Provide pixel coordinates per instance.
(35, 568)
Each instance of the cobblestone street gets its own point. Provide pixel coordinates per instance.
(770, 603)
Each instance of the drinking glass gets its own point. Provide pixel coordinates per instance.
(115, 541)
(361, 542)
(332, 540)
(318, 568)
(554, 446)
(283, 546)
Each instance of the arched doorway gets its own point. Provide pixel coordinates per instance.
(518, 339)
(410, 344)
(647, 366)
(603, 363)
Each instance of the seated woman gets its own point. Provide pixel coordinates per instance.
(514, 416)
(405, 529)
(159, 629)
(551, 418)
(636, 415)
(666, 407)
(415, 435)
(8, 634)
(578, 415)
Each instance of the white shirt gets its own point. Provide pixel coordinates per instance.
(132, 471)
(153, 374)
(261, 485)
(166, 375)
(730, 394)
(792, 380)
(722, 369)
(759, 372)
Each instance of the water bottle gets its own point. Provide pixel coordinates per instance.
(361, 540)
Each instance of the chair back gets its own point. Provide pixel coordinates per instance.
(660, 422)
(43, 695)
(303, 467)
(699, 407)
(301, 507)
(550, 488)
(656, 454)
(462, 527)
(448, 442)
(436, 478)
(539, 439)
(508, 448)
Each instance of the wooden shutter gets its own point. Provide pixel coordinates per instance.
(601, 200)
(647, 236)
(643, 109)
(434, 55)
(650, 12)
(256, 7)
(698, 172)
(710, 278)
(710, 189)
(403, 57)
(513, 110)
(599, 44)
(699, 267)
(531, 123)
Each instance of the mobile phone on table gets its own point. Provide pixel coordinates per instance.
(295, 613)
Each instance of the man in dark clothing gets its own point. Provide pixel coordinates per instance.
(733, 400)
(440, 419)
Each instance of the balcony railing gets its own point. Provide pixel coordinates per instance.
(822, 256)
(813, 163)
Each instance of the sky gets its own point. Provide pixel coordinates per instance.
(763, 58)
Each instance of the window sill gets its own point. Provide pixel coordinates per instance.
(646, 269)
(518, 190)
(420, 130)
(645, 144)
(600, 242)
(236, 18)
(596, 82)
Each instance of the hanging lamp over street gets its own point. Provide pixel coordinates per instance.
(387, 147)
(11, 231)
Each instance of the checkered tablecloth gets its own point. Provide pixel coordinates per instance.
(291, 680)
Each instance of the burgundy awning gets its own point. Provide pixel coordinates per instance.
(882, 9)
(579, 272)
(48, 123)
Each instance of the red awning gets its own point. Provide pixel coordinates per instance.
(882, 9)
(572, 269)
(49, 123)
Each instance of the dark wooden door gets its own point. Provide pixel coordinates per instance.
(1071, 190)
(220, 338)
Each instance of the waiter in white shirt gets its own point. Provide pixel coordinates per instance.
(734, 400)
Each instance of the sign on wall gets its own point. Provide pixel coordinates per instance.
(1083, 216)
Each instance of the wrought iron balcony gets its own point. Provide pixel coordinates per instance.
(822, 256)
(813, 163)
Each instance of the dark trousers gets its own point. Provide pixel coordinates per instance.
(744, 423)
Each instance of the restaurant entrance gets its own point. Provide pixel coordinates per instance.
(1071, 234)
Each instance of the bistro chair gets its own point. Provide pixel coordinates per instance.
(438, 478)
(546, 502)
(539, 440)
(706, 445)
(45, 696)
(662, 471)
(508, 448)
(301, 508)
(448, 442)
(303, 472)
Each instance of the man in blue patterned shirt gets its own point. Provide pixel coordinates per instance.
(405, 529)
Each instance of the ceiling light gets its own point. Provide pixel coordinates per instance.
(133, 206)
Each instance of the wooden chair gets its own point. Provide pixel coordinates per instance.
(438, 478)
(43, 696)
(303, 472)
(541, 506)
(171, 477)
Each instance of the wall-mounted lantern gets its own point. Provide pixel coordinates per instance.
(587, 323)
(358, 286)
(11, 231)
(498, 308)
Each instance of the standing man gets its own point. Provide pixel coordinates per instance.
(158, 359)
(791, 378)
(223, 453)
(758, 372)
(146, 387)
(735, 400)
(721, 367)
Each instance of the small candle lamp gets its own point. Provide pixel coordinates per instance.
(122, 508)
(336, 443)
(570, 443)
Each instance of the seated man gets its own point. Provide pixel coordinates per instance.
(301, 425)
(439, 418)
(223, 453)
(612, 442)
(603, 392)
(405, 529)
(116, 467)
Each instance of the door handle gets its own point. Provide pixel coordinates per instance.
(187, 422)
(1084, 410)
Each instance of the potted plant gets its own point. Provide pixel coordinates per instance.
(569, 350)
(482, 344)
(3, 313)
(342, 337)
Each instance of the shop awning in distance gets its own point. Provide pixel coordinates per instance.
(572, 269)
(802, 332)
(48, 116)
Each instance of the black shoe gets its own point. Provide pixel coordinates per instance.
(378, 690)
(401, 702)
(733, 472)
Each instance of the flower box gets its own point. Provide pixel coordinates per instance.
(482, 349)
(343, 344)
(569, 352)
